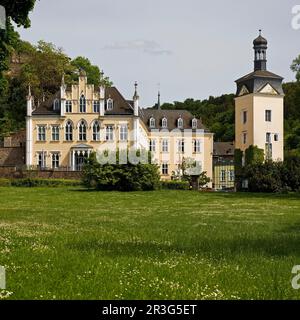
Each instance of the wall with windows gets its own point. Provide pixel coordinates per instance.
(263, 126)
(57, 138)
(270, 129)
(170, 149)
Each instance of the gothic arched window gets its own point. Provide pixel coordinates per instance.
(164, 123)
(180, 123)
(82, 104)
(152, 122)
(82, 130)
(69, 131)
(96, 131)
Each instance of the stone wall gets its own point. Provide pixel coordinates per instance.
(12, 172)
(12, 156)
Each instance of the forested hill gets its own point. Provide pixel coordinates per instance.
(217, 114)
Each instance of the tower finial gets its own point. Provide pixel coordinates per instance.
(260, 32)
(136, 96)
(158, 97)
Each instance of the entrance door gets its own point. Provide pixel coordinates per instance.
(80, 158)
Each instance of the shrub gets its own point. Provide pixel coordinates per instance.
(4, 182)
(175, 185)
(29, 182)
(120, 177)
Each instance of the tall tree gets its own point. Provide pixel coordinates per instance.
(16, 11)
(296, 67)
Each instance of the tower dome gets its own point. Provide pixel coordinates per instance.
(260, 53)
(260, 40)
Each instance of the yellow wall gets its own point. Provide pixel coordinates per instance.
(256, 126)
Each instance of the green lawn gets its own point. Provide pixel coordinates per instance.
(64, 243)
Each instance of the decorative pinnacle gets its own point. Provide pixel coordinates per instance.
(63, 79)
(260, 32)
(101, 75)
(136, 96)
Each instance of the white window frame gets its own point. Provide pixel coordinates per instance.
(165, 169)
(82, 131)
(197, 146)
(82, 104)
(109, 104)
(55, 160)
(56, 105)
(165, 145)
(180, 123)
(96, 106)
(231, 175)
(223, 175)
(41, 133)
(152, 145)
(69, 131)
(152, 123)
(96, 130)
(123, 132)
(109, 133)
(180, 146)
(41, 159)
(164, 123)
(194, 123)
(55, 133)
(69, 106)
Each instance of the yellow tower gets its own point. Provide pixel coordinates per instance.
(259, 107)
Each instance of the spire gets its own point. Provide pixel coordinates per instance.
(135, 96)
(260, 52)
(63, 84)
(158, 100)
(29, 91)
(101, 75)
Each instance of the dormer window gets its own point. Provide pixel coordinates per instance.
(152, 123)
(56, 105)
(164, 123)
(82, 104)
(194, 123)
(109, 104)
(180, 123)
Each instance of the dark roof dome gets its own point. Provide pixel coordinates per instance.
(260, 40)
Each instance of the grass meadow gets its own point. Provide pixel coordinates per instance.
(69, 243)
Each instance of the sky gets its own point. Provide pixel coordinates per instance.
(190, 49)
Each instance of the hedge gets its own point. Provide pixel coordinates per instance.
(38, 182)
(175, 185)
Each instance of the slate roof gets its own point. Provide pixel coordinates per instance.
(260, 74)
(121, 106)
(172, 116)
(256, 80)
(46, 108)
(223, 149)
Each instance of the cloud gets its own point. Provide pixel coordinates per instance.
(146, 46)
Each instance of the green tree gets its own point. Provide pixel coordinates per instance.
(16, 11)
(296, 67)
(93, 72)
